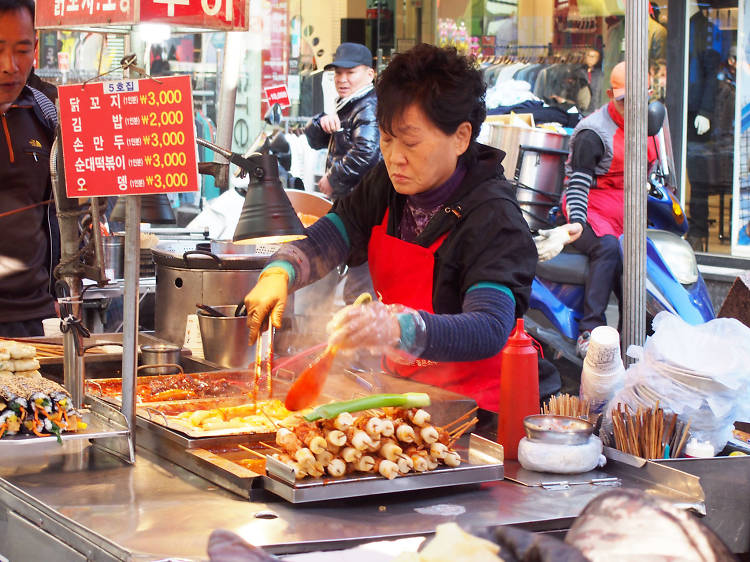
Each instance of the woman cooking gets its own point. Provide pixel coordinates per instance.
(450, 254)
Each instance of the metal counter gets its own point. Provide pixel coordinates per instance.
(79, 503)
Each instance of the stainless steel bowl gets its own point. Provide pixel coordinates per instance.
(563, 430)
(160, 354)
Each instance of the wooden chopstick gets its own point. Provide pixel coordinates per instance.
(648, 432)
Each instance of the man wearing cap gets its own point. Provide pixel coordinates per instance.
(351, 134)
(594, 198)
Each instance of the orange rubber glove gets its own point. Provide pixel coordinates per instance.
(268, 297)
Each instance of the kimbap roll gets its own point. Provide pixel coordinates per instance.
(10, 423)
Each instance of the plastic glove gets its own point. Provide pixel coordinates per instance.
(702, 124)
(373, 326)
(550, 242)
(267, 297)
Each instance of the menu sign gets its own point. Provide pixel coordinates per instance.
(227, 15)
(128, 137)
(62, 13)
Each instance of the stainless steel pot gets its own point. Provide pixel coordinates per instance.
(540, 169)
(114, 257)
(224, 275)
(225, 339)
(186, 279)
(164, 354)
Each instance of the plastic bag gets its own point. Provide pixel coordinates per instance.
(701, 373)
(719, 348)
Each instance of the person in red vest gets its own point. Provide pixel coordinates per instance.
(594, 198)
(450, 254)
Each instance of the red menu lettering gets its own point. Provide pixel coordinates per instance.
(128, 137)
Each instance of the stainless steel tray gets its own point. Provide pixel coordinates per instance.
(485, 465)
(106, 426)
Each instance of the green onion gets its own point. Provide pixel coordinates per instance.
(406, 400)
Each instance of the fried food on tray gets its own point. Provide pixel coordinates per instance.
(164, 388)
(371, 442)
(259, 417)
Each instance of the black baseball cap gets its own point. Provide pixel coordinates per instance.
(349, 55)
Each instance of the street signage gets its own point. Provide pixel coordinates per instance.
(278, 94)
(128, 137)
(206, 14)
(71, 13)
(220, 15)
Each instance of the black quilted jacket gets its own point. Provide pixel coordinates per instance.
(353, 150)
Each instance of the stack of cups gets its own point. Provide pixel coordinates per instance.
(603, 372)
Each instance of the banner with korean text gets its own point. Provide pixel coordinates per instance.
(128, 137)
(220, 15)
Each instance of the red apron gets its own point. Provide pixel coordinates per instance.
(402, 273)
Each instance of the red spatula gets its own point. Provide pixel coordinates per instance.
(309, 384)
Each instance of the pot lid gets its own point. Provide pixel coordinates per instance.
(187, 254)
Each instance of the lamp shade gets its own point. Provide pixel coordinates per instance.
(267, 215)
(155, 209)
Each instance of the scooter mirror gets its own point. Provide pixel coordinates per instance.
(273, 115)
(656, 113)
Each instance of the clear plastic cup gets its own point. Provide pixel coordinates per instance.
(51, 327)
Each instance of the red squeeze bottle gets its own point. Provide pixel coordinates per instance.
(519, 388)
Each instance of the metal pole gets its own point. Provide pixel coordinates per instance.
(230, 72)
(130, 308)
(636, 104)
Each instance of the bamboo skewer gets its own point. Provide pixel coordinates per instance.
(269, 446)
(44, 349)
(459, 418)
(270, 419)
(460, 430)
(251, 451)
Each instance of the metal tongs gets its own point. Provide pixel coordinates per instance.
(257, 367)
(269, 359)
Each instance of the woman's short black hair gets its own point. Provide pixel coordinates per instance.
(447, 87)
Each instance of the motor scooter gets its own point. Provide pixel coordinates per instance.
(673, 282)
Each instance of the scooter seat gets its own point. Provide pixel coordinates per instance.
(569, 266)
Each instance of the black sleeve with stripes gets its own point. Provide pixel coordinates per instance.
(587, 153)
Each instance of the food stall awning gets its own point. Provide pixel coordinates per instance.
(217, 15)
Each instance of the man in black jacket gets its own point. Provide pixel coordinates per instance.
(351, 134)
(28, 223)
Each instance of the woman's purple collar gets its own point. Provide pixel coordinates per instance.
(438, 195)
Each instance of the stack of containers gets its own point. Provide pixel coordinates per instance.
(603, 372)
